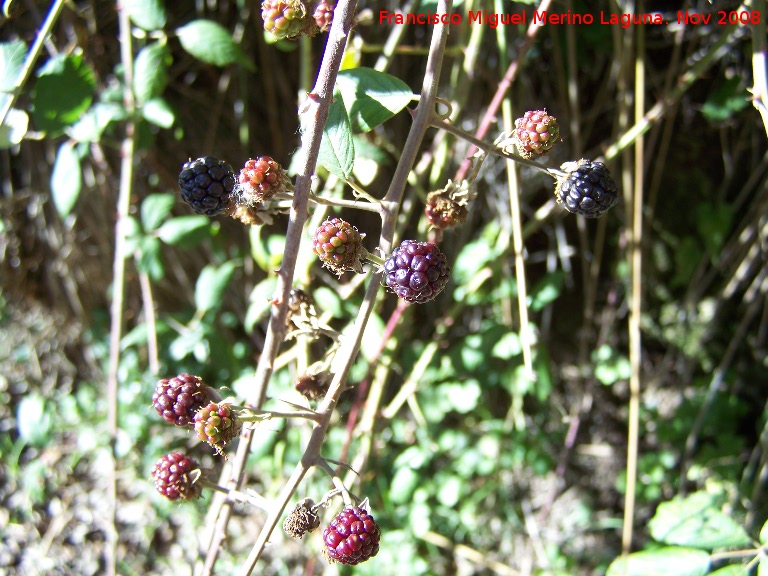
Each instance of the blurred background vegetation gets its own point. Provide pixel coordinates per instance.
(483, 470)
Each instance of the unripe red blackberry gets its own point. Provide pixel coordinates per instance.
(352, 537)
(301, 520)
(260, 179)
(177, 399)
(323, 14)
(535, 133)
(207, 185)
(287, 18)
(417, 271)
(217, 424)
(587, 189)
(339, 246)
(174, 478)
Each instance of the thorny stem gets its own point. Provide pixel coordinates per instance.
(495, 150)
(390, 206)
(315, 113)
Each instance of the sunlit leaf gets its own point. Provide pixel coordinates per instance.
(337, 152)
(12, 55)
(671, 561)
(66, 179)
(210, 42)
(211, 283)
(158, 112)
(146, 14)
(154, 209)
(189, 230)
(13, 128)
(371, 97)
(150, 72)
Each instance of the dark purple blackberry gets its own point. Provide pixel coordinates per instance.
(352, 537)
(587, 189)
(207, 185)
(417, 271)
(178, 398)
(173, 477)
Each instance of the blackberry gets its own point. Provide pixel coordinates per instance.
(443, 211)
(174, 478)
(536, 133)
(323, 14)
(312, 386)
(260, 179)
(217, 424)
(352, 537)
(417, 271)
(301, 520)
(207, 185)
(339, 246)
(287, 18)
(587, 189)
(178, 398)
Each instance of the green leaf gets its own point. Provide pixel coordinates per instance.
(13, 128)
(764, 534)
(63, 92)
(184, 229)
(610, 367)
(671, 561)
(212, 43)
(260, 304)
(96, 119)
(713, 222)
(150, 72)
(158, 112)
(211, 284)
(507, 346)
(729, 98)
(695, 521)
(66, 179)
(371, 97)
(337, 152)
(146, 14)
(150, 259)
(154, 209)
(33, 422)
(546, 290)
(731, 570)
(12, 56)
(267, 253)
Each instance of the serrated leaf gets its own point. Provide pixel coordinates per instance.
(695, 521)
(148, 15)
(150, 259)
(671, 561)
(154, 209)
(183, 229)
(371, 97)
(337, 152)
(158, 112)
(13, 128)
(210, 42)
(12, 56)
(150, 72)
(96, 119)
(211, 283)
(66, 179)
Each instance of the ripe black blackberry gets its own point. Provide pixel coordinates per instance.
(417, 271)
(178, 398)
(352, 537)
(207, 185)
(173, 476)
(587, 189)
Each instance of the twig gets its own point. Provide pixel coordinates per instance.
(118, 278)
(760, 63)
(29, 62)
